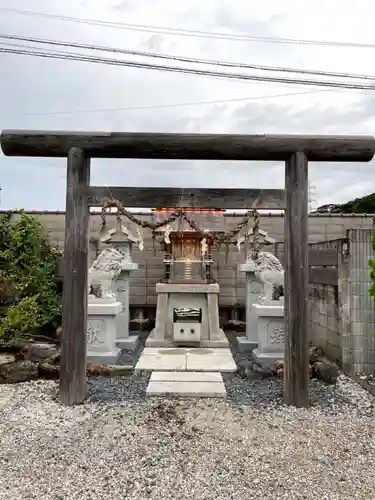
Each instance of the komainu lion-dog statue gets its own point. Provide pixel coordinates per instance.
(270, 273)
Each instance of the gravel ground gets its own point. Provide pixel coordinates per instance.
(120, 446)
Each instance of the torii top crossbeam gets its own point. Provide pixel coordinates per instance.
(187, 146)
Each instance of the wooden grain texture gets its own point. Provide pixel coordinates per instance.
(296, 374)
(74, 312)
(187, 146)
(161, 197)
(324, 275)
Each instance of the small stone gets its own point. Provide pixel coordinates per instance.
(278, 365)
(244, 368)
(39, 351)
(15, 347)
(315, 353)
(49, 370)
(278, 369)
(119, 370)
(18, 371)
(237, 325)
(6, 359)
(265, 371)
(55, 358)
(96, 370)
(326, 371)
(140, 323)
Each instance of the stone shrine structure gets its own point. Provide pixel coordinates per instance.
(122, 240)
(187, 311)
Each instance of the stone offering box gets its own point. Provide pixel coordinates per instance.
(270, 320)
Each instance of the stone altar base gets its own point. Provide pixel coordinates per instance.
(180, 295)
(270, 333)
(101, 331)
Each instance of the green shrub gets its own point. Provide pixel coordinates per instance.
(28, 267)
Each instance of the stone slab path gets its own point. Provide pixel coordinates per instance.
(188, 384)
(186, 359)
(189, 372)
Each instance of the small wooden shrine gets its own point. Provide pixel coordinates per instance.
(187, 310)
(187, 253)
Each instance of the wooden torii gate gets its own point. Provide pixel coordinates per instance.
(295, 151)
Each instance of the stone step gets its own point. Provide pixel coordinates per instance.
(190, 359)
(186, 384)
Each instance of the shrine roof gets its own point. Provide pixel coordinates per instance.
(205, 221)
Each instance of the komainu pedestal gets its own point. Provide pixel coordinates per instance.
(101, 330)
(270, 318)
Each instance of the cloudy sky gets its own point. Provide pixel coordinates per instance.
(51, 94)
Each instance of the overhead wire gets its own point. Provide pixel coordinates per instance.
(73, 56)
(177, 69)
(178, 58)
(191, 33)
(180, 104)
(170, 105)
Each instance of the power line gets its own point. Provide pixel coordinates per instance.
(198, 72)
(176, 105)
(23, 46)
(170, 57)
(191, 33)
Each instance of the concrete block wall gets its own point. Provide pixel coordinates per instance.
(232, 282)
(323, 304)
(342, 317)
(321, 227)
(324, 324)
(325, 328)
(328, 304)
(362, 313)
